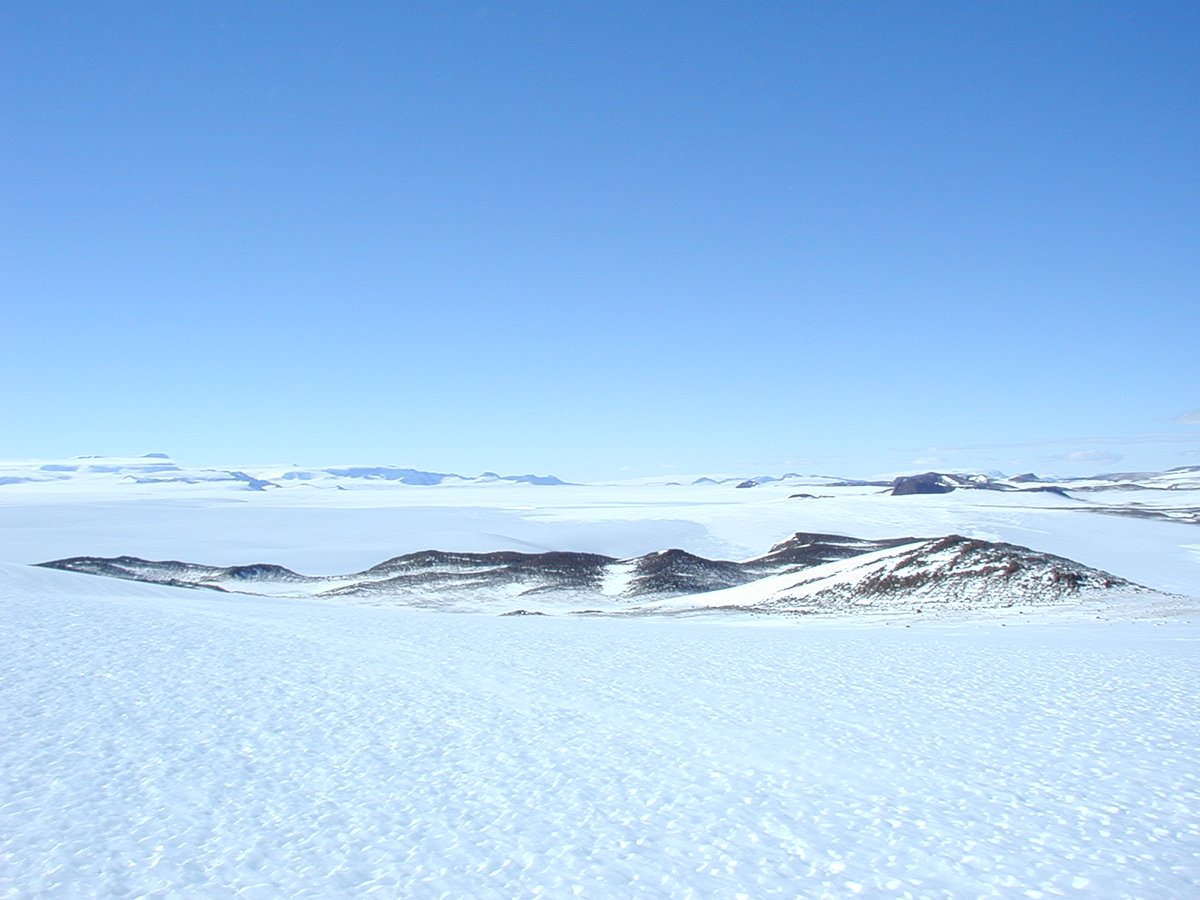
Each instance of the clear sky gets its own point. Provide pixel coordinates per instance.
(603, 238)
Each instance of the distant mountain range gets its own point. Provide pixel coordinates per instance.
(159, 469)
(1183, 477)
(808, 573)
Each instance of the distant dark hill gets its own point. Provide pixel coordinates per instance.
(805, 573)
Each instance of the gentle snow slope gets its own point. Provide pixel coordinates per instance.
(159, 740)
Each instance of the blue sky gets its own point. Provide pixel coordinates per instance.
(599, 239)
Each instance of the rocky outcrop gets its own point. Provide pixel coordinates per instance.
(808, 572)
(928, 483)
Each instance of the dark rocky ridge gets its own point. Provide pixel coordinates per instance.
(438, 571)
(950, 570)
(944, 483)
(175, 572)
(674, 572)
(955, 572)
(803, 550)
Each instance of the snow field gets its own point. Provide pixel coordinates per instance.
(168, 743)
(323, 532)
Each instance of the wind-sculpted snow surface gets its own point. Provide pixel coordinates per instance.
(180, 743)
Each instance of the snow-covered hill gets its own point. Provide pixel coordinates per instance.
(935, 575)
(808, 573)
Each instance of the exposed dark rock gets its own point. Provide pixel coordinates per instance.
(174, 572)
(928, 483)
(262, 572)
(803, 550)
(951, 572)
(564, 563)
(947, 572)
(943, 483)
(955, 557)
(679, 572)
(440, 571)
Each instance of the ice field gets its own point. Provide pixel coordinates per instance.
(165, 742)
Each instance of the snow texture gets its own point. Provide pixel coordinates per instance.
(163, 742)
(166, 742)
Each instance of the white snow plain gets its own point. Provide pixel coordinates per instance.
(162, 742)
